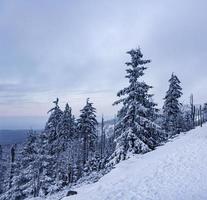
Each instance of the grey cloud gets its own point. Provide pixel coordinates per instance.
(78, 48)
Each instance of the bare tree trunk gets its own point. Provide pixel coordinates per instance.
(200, 112)
(13, 154)
(85, 150)
(193, 110)
(102, 138)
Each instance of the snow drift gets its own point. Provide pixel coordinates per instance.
(175, 171)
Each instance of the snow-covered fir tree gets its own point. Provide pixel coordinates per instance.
(172, 122)
(50, 151)
(28, 180)
(13, 190)
(186, 118)
(25, 177)
(67, 134)
(135, 129)
(187, 122)
(87, 125)
(53, 121)
(66, 128)
(48, 166)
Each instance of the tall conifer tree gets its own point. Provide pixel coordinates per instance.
(135, 129)
(87, 125)
(171, 110)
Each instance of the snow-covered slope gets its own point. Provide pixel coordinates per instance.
(175, 171)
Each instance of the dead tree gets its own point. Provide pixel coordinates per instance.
(193, 110)
(103, 138)
(201, 116)
(13, 156)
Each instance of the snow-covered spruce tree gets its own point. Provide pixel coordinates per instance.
(47, 167)
(25, 182)
(28, 180)
(93, 165)
(67, 134)
(87, 125)
(50, 151)
(135, 130)
(109, 147)
(66, 127)
(13, 190)
(53, 121)
(172, 122)
(187, 121)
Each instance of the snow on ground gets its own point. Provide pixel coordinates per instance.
(175, 171)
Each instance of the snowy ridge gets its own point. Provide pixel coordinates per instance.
(175, 171)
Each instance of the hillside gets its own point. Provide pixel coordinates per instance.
(177, 170)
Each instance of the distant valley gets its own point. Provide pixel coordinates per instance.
(13, 136)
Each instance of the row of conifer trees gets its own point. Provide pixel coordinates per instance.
(71, 150)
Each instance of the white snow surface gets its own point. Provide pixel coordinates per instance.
(175, 171)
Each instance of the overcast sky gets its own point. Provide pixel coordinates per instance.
(76, 49)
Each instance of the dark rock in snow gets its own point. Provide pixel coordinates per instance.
(70, 193)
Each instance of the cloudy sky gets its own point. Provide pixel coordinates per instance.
(75, 49)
